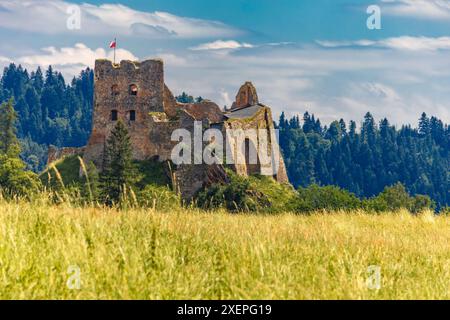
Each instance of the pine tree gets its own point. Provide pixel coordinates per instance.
(368, 130)
(424, 125)
(14, 180)
(308, 123)
(119, 172)
(318, 127)
(343, 127)
(283, 121)
(352, 131)
(9, 144)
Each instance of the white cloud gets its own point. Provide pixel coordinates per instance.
(79, 54)
(50, 17)
(337, 44)
(71, 60)
(417, 43)
(397, 43)
(424, 9)
(171, 59)
(229, 45)
(225, 99)
(381, 91)
(222, 45)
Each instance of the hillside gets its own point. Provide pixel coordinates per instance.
(188, 254)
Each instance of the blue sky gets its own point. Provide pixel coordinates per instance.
(301, 54)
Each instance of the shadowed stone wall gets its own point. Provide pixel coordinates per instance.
(130, 87)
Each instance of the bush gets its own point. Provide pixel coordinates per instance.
(396, 197)
(445, 211)
(330, 198)
(421, 202)
(14, 181)
(158, 197)
(237, 196)
(281, 196)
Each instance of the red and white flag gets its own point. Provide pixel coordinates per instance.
(113, 44)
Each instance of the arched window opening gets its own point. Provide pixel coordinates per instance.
(114, 115)
(133, 90)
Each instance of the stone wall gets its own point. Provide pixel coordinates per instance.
(246, 96)
(55, 154)
(114, 86)
(261, 120)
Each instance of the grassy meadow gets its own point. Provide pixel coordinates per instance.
(190, 254)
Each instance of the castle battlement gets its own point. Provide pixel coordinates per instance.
(130, 84)
(128, 65)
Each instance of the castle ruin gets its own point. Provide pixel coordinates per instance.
(136, 94)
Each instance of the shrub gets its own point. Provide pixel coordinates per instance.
(421, 202)
(330, 198)
(237, 196)
(396, 197)
(445, 211)
(281, 196)
(158, 197)
(14, 181)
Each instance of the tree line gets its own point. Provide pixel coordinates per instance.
(365, 161)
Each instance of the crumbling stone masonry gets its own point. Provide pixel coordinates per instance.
(135, 93)
(55, 153)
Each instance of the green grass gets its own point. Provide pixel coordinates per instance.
(281, 196)
(68, 167)
(150, 171)
(189, 254)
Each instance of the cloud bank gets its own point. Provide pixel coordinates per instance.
(397, 43)
(222, 45)
(51, 17)
(423, 9)
(68, 60)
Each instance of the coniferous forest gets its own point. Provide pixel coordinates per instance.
(50, 111)
(363, 161)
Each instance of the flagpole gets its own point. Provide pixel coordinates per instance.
(115, 41)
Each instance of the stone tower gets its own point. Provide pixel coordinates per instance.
(246, 96)
(129, 92)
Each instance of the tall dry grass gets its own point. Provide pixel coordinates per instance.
(189, 254)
